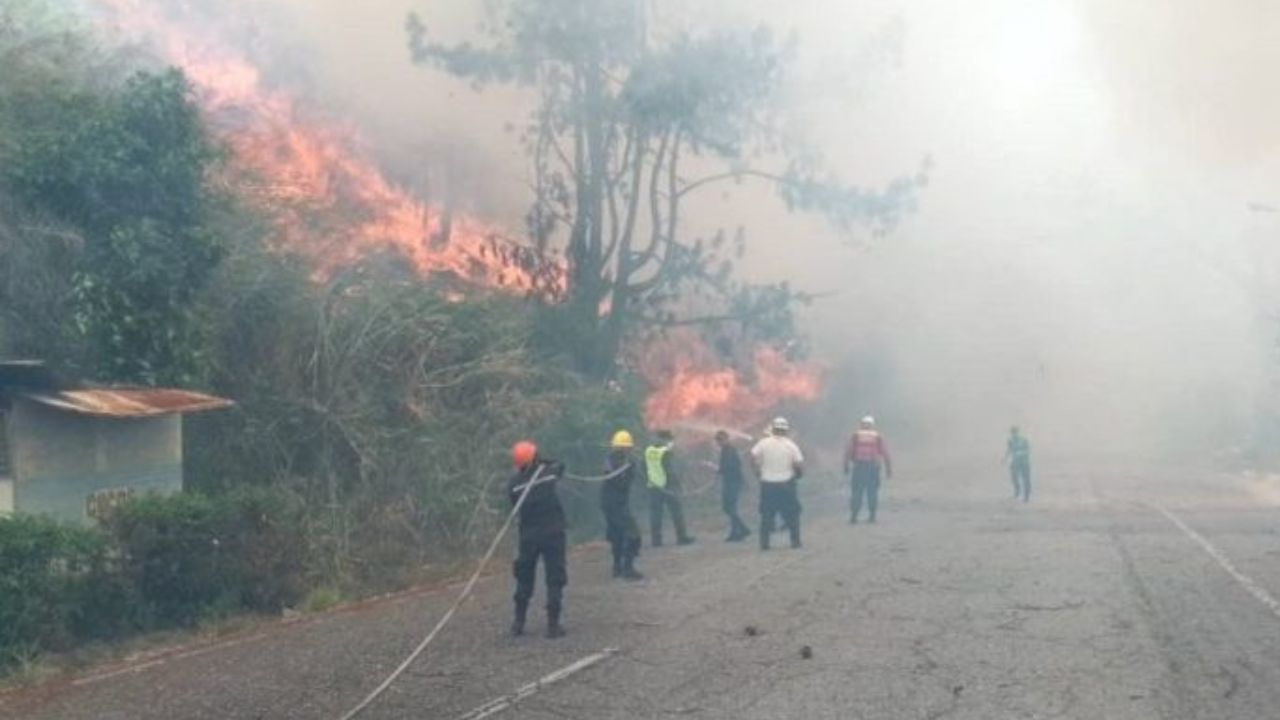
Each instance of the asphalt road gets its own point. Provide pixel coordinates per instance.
(1117, 593)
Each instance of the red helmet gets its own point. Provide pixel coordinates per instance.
(523, 453)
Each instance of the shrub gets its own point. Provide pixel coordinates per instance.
(56, 587)
(191, 556)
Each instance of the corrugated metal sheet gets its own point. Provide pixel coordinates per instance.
(130, 402)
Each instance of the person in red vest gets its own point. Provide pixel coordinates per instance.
(862, 460)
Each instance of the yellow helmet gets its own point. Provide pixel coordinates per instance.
(622, 439)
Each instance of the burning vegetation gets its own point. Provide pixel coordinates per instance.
(330, 203)
(328, 200)
(693, 384)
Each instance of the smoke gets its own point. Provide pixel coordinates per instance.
(1083, 263)
(449, 144)
(1194, 80)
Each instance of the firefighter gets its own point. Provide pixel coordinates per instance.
(663, 483)
(542, 534)
(862, 460)
(615, 501)
(1018, 456)
(730, 471)
(780, 465)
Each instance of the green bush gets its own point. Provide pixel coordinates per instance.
(57, 587)
(192, 556)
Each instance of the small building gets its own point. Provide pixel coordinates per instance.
(70, 451)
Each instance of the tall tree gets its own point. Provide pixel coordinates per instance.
(630, 126)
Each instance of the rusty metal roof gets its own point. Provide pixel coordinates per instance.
(130, 402)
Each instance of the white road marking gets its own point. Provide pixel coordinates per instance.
(497, 705)
(1257, 591)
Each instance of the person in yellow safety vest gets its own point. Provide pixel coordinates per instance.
(615, 501)
(663, 483)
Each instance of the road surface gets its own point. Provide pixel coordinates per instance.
(1117, 593)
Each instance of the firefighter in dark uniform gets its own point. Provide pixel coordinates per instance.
(542, 534)
(615, 500)
(730, 471)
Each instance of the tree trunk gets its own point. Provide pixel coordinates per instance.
(597, 356)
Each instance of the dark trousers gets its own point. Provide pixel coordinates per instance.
(1020, 474)
(729, 503)
(865, 485)
(779, 499)
(668, 498)
(550, 548)
(623, 534)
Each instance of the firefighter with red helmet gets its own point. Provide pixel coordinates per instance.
(542, 534)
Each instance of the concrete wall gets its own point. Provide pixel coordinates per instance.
(60, 459)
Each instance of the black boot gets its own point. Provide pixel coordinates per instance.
(629, 571)
(517, 625)
(554, 629)
(617, 566)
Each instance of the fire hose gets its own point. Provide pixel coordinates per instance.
(524, 490)
(624, 468)
(462, 596)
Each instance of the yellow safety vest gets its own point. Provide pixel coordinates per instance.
(653, 465)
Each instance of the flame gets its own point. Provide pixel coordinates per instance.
(331, 204)
(693, 386)
(328, 200)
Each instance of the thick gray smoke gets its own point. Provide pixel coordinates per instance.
(1083, 263)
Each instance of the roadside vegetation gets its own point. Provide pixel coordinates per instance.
(373, 410)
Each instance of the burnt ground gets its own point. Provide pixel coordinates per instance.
(1091, 602)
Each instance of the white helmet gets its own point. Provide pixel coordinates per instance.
(868, 420)
(780, 424)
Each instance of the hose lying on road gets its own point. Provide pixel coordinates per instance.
(466, 591)
(524, 489)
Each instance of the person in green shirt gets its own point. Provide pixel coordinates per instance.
(1018, 455)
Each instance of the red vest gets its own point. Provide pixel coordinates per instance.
(866, 446)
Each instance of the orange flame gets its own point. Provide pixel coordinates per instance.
(329, 201)
(692, 386)
(331, 204)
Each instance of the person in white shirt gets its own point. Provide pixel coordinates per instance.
(779, 464)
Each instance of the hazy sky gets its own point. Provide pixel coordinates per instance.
(1084, 249)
